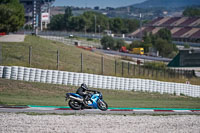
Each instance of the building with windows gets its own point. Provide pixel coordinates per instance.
(37, 12)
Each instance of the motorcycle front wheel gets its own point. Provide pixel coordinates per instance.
(75, 105)
(102, 105)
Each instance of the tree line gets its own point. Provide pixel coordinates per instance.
(91, 21)
(192, 12)
(11, 15)
(161, 41)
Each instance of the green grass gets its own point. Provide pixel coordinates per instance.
(27, 93)
(44, 56)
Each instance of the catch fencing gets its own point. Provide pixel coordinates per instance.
(97, 81)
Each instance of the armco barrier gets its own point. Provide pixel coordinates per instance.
(97, 81)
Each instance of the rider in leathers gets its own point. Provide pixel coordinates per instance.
(82, 91)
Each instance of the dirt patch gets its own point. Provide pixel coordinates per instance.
(12, 38)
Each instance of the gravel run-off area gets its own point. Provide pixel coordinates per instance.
(23, 123)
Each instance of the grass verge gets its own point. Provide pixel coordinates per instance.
(27, 93)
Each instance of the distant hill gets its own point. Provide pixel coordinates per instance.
(167, 3)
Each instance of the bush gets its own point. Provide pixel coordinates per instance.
(155, 65)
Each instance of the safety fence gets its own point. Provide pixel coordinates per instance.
(97, 81)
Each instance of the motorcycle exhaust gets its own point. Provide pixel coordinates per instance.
(75, 98)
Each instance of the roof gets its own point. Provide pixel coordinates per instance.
(180, 27)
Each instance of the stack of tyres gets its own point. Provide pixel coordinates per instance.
(49, 76)
(7, 72)
(54, 77)
(43, 76)
(60, 77)
(75, 80)
(1, 71)
(65, 78)
(26, 74)
(90, 80)
(20, 74)
(32, 74)
(94, 83)
(70, 78)
(14, 72)
(80, 79)
(38, 75)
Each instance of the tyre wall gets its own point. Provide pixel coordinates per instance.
(97, 81)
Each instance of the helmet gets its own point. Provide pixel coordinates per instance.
(84, 86)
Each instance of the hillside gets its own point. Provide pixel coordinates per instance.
(167, 3)
(44, 56)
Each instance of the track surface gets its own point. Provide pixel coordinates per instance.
(67, 110)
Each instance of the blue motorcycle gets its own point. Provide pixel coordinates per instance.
(77, 102)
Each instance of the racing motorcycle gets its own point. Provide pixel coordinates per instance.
(95, 101)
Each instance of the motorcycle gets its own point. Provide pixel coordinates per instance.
(95, 101)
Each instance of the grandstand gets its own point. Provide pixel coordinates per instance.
(182, 28)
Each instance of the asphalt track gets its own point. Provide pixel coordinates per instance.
(122, 111)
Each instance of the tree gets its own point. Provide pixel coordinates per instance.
(67, 16)
(119, 44)
(130, 25)
(135, 44)
(164, 47)
(11, 15)
(165, 34)
(191, 12)
(116, 25)
(57, 22)
(77, 23)
(107, 42)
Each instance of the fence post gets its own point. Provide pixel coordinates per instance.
(57, 60)
(133, 69)
(115, 67)
(139, 70)
(128, 67)
(164, 72)
(30, 55)
(152, 73)
(156, 73)
(81, 62)
(148, 71)
(102, 65)
(122, 68)
(143, 71)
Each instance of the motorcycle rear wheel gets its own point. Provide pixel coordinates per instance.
(102, 105)
(75, 105)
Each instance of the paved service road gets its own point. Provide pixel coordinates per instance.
(134, 55)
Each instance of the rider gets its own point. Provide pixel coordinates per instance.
(82, 91)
